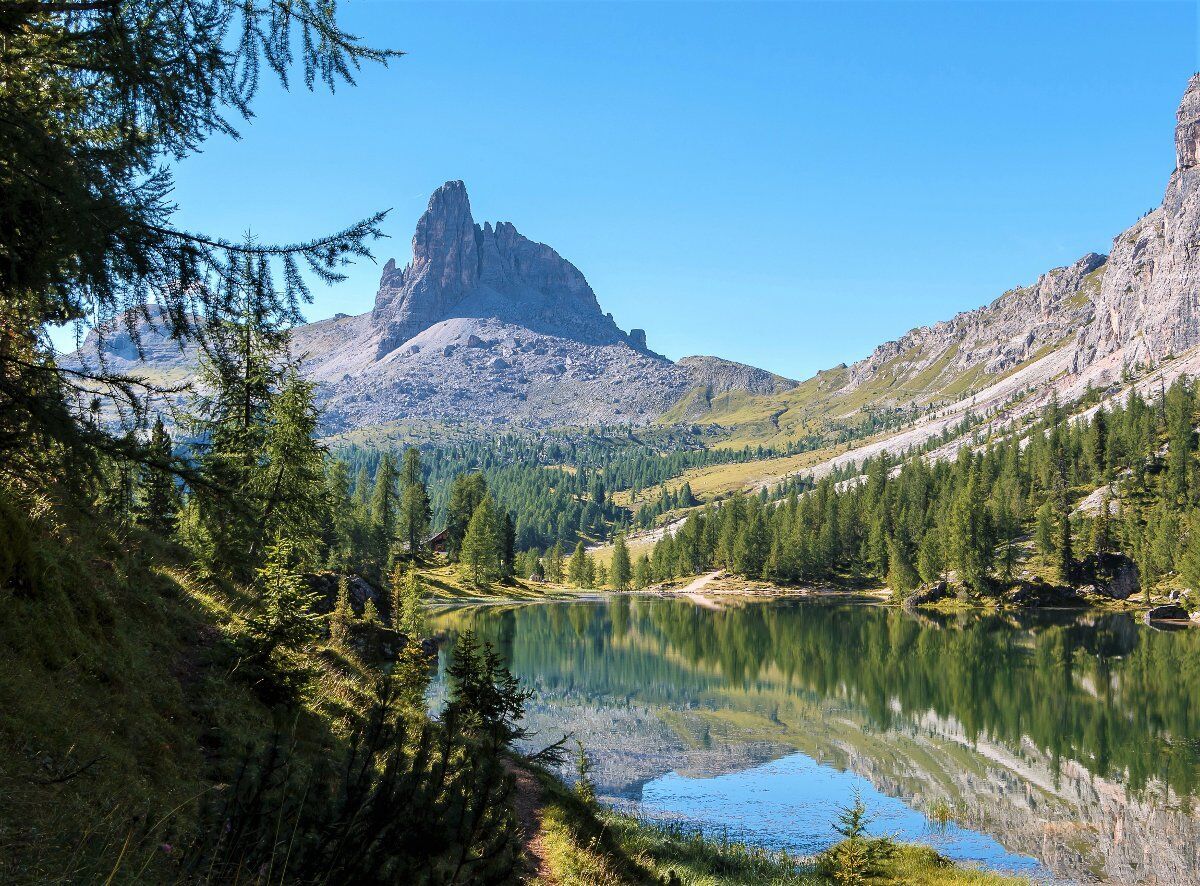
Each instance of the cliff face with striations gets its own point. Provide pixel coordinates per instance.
(460, 269)
(1019, 326)
(1138, 305)
(1100, 322)
(1147, 309)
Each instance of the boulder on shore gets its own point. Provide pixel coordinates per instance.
(1166, 612)
(1113, 575)
(933, 593)
(1039, 592)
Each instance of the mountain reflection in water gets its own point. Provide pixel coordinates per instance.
(1071, 738)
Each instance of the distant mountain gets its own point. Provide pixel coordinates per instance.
(482, 327)
(486, 327)
(1105, 321)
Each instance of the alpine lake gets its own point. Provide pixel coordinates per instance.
(1060, 745)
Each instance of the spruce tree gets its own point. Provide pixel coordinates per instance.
(343, 614)
(1101, 530)
(1065, 565)
(1189, 567)
(341, 529)
(414, 502)
(643, 573)
(901, 575)
(480, 551)
(385, 510)
(931, 559)
(412, 606)
(970, 538)
(160, 502)
(1044, 531)
(554, 564)
(466, 493)
(508, 545)
(579, 569)
(621, 571)
(239, 378)
(283, 623)
(292, 478)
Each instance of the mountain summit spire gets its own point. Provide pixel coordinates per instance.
(460, 269)
(1187, 127)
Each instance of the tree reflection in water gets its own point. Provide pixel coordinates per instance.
(1075, 738)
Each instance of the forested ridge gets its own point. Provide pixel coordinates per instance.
(1002, 506)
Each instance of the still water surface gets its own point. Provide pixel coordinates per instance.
(1065, 746)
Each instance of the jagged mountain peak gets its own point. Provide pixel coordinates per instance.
(1187, 126)
(462, 269)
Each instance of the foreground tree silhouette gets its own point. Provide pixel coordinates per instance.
(98, 97)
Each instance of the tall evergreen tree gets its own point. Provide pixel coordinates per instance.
(239, 377)
(282, 624)
(931, 559)
(466, 493)
(1044, 530)
(385, 509)
(553, 562)
(159, 506)
(415, 510)
(1066, 556)
(621, 571)
(901, 575)
(292, 492)
(508, 545)
(580, 570)
(480, 551)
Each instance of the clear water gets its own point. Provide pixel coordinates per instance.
(1063, 746)
(791, 804)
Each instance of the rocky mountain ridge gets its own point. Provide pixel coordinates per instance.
(1129, 318)
(484, 326)
(1140, 305)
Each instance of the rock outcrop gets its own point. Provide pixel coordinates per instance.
(460, 269)
(1112, 575)
(1166, 612)
(482, 327)
(720, 376)
(1020, 325)
(1147, 308)
(933, 593)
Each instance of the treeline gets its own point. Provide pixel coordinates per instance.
(915, 523)
(558, 489)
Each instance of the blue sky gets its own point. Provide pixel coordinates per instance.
(783, 184)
